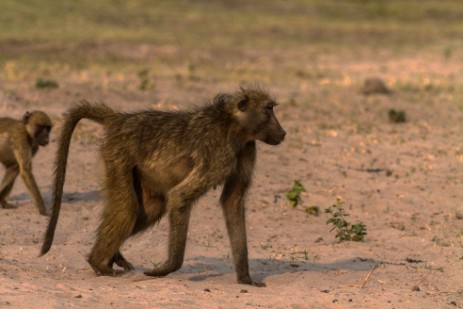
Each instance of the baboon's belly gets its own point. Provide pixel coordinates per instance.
(162, 175)
(6, 151)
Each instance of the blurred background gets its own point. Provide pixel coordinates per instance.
(297, 48)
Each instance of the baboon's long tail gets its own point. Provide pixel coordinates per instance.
(95, 112)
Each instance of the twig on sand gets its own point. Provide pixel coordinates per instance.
(369, 274)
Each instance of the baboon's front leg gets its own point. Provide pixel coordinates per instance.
(24, 158)
(232, 200)
(31, 184)
(179, 201)
(233, 207)
(178, 218)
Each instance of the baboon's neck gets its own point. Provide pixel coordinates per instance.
(223, 121)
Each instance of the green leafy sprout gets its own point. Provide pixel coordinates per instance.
(143, 76)
(294, 194)
(42, 83)
(344, 230)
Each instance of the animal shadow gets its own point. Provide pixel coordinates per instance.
(69, 197)
(262, 268)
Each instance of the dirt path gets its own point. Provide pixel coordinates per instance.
(404, 181)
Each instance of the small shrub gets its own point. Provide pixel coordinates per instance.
(294, 194)
(397, 116)
(344, 230)
(447, 52)
(375, 85)
(312, 210)
(143, 75)
(42, 83)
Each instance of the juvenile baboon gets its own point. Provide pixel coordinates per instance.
(162, 162)
(19, 142)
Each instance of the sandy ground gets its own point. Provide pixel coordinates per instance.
(404, 181)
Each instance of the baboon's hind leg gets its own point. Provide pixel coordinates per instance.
(7, 185)
(118, 220)
(120, 261)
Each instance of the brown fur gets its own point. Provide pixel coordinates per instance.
(162, 162)
(19, 142)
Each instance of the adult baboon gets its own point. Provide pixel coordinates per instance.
(162, 162)
(19, 142)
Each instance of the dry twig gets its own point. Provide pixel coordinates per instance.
(369, 274)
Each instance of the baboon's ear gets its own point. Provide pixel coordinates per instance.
(26, 117)
(243, 104)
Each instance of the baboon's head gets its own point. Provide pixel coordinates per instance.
(38, 125)
(254, 111)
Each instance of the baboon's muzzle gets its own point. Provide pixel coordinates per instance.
(276, 137)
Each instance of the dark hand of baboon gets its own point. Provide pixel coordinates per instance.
(162, 162)
(19, 142)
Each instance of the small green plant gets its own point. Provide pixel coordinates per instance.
(312, 210)
(143, 75)
(448, 52)
(42, 83)
(397, 116)
(294, 194)
(344, 230)
(192, 72)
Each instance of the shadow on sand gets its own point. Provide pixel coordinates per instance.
(262, 268)
(68, 197)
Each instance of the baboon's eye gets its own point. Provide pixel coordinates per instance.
(271, 105)
(43, 128)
